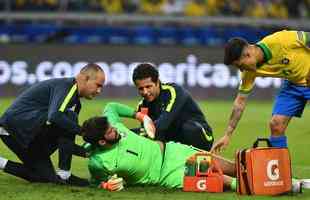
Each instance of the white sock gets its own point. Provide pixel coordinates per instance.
(63, 174)
(3, 162)
(296, 186)
(3, 131)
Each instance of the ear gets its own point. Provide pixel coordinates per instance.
(101, 142)
(86, 77)
(158, 82)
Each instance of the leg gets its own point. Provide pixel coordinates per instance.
(278, 125)
(229, 172)
(289, 103)
(64, 141)
(230, 183)
(35, 168)
(14, 168)
(228, 167)
(39, 152)
(197, 134)
(66, 146)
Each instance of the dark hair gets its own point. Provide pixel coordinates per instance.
(143, 71)
(233, 50)
(94, 129)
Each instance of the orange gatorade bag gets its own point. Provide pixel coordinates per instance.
(263, 170)
(202, 174)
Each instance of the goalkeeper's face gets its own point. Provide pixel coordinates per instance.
(111, 136)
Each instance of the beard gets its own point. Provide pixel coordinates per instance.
(114, 141)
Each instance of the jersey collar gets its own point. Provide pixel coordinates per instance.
(266, 51)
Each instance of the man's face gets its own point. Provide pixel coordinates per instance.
(94, 85)
(111, 136)
(148, 89)
(247, 60)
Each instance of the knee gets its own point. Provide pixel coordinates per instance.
(197, 135)
(277, 126)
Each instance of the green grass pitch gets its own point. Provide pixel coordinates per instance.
(253, 124)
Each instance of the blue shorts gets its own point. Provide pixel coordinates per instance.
(291, 100)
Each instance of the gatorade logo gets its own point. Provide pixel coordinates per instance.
(201, 184)
(273, 172)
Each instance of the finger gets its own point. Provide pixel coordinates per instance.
(120, 188)
(115, 181)
(115, 187)
(214, 147)
(217, 149)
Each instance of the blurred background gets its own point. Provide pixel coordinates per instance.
(41, 39)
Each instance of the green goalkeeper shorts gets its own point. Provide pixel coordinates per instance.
(172, 171)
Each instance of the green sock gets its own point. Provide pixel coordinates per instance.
(233, 184)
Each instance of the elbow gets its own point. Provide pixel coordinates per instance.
(54, 117)
(110, 106)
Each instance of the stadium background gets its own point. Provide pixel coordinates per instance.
(40, 39)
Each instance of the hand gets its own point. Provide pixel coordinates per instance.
(308, 80)
(148, 124)
(113, 184)
(221, 144)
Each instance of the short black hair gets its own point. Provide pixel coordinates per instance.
(91, 69)
(233, 49)
(93, 129)
(145, 70)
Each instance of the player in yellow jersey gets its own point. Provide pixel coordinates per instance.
(284, 54)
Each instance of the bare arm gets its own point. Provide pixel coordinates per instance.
(237, 110)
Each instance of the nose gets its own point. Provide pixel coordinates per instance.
(144, 91)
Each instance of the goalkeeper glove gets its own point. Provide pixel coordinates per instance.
(147, 124)
(113, 184)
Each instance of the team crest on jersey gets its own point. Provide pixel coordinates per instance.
(285, 61)
(73, 108)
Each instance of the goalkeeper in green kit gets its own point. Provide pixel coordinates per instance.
(118, 155)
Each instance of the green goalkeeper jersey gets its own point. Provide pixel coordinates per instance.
(137, 159)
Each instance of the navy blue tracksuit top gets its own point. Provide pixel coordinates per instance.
(43, 104)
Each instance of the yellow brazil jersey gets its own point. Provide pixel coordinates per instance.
(286, 55)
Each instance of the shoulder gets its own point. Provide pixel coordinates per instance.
(279, 37)
(56, 82)
(168, 90)
(174, 90)
(171, 88)
(65, 84)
